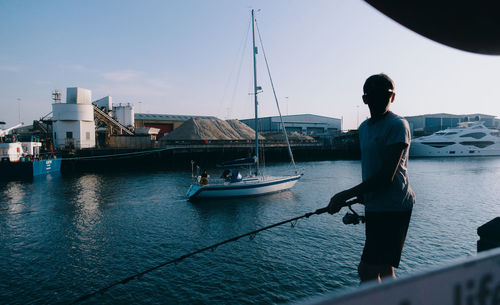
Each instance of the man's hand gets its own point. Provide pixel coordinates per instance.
(337, 202)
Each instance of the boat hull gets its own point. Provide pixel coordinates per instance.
(456, 150)
(28, 169)
(254, 187)
(468, 139)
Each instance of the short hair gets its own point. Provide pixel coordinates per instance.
(378, 84)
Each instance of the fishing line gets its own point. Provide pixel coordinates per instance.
(292, 221)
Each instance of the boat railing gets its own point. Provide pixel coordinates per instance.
(224, 181)
(215, 180)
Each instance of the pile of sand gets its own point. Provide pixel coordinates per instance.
(215, 129)
(294, 136)
(245, 131)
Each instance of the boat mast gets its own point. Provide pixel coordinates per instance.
(255, 87)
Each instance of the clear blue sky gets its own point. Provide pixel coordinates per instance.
(183, 57)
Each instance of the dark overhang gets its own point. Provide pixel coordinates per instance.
(472, 26)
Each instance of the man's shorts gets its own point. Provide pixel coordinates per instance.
(385, 237)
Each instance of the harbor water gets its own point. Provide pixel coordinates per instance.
(63, 236)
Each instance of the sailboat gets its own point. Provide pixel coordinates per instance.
(232, 183)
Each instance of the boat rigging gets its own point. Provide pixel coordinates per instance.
(256, 183)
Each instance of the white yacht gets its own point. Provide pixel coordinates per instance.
(467, 139)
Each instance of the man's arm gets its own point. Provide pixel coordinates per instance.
(381, 180)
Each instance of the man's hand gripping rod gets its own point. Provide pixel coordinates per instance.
(325, 209)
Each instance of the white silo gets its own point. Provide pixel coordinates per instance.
(73, 121)
(124, 113)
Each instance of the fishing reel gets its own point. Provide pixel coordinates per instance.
(353, 218)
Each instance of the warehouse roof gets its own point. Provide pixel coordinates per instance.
(168, 117)
(303, 118)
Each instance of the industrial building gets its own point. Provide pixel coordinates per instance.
(105, 104)
(301, 123)
(429, 123)
(76, 122)
(164, 122)
(73, 121)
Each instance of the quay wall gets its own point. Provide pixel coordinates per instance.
(137, 142)
(205, 154)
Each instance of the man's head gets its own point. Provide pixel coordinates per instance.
(378, 93)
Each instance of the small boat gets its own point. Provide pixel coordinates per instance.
(232, 183)
(466, 140)
(20, 160)
(251, 186)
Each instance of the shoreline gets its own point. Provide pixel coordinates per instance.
(205, 155)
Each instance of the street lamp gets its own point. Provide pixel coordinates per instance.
(19, 108)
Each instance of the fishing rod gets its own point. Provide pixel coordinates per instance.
(252, 235)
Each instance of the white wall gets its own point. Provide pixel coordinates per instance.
(79, 130)
(60, 129)
(77, 118)
(87, 129)
(72, 112)
(78, 96)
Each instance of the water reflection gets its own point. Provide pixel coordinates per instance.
(85, 201)
(215, 220)
(87, 195)
(13, 195)
(87, 230)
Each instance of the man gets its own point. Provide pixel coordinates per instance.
(204, 178)
(385, 190)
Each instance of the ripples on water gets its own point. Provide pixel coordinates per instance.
(65, 236)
